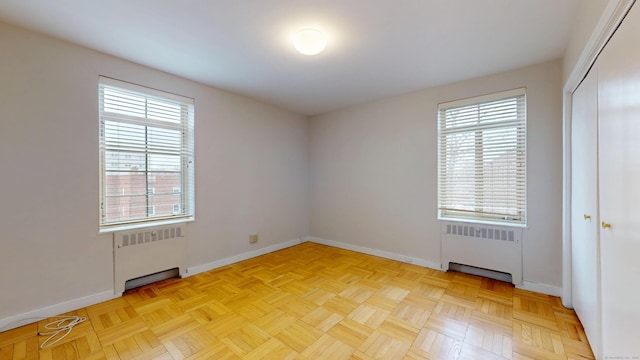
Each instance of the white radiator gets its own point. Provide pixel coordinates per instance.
(142, 252)
(488, 247)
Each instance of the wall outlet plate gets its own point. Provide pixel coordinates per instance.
(253, 238)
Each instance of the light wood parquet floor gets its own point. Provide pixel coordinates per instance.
(316, 302)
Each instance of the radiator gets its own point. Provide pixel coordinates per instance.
(142, 252)
(483, 246)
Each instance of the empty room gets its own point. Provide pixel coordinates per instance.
(284, 179)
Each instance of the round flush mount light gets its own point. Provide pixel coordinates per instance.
(309, 41)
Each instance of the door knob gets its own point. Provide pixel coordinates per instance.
(587, 217)
(605, 225)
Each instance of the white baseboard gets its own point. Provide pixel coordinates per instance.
(541, 288)
(240, 257)
(526, 285)
(376, 252)
(28, 317)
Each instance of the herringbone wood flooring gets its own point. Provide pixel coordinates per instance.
(317, 302)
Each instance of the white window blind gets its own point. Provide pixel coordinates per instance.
(482, 158)
(146, 155)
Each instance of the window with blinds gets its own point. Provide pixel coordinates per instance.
(482, 158)
(146, 155)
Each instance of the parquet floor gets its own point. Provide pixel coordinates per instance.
(317, 302)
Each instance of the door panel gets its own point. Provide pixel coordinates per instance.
(585, 268)
(619, 198)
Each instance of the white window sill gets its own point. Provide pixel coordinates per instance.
(142, 225)
(484, 222)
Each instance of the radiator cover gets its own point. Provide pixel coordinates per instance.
(142, 252)
(488, 247)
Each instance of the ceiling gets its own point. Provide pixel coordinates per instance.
(376, 48)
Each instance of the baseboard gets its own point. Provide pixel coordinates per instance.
(526, 285)
(240, 257)
(28, 317)
(376, 252)
(541, 288)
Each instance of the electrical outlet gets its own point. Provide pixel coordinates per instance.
(253, 238)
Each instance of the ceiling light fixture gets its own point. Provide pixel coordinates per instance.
(309, 41)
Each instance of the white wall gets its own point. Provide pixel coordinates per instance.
(251, 171)
(585, 20)
(373, 171)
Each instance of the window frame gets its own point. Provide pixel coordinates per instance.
(183, 124)
(444, 129)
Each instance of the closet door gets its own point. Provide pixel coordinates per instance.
(585, 266)
(619, 168)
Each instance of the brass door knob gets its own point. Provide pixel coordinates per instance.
(587, 217)
(605, 225)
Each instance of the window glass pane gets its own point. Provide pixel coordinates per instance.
(164, 203)
(498, 111)
(164, 110)
(461, 117)
(164, 182)
(125, 183)
(124, 136)
(164, 140)
(124, 161)
(121, 102)
(164, 162)
(125, 208)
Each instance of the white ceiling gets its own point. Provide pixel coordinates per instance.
(377, 48)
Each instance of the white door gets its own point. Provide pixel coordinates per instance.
(585, 267)
(619, 169)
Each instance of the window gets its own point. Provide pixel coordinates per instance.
(482, 158)
(146, 152)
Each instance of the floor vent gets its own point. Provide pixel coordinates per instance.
(491, 274)
(150, 279)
